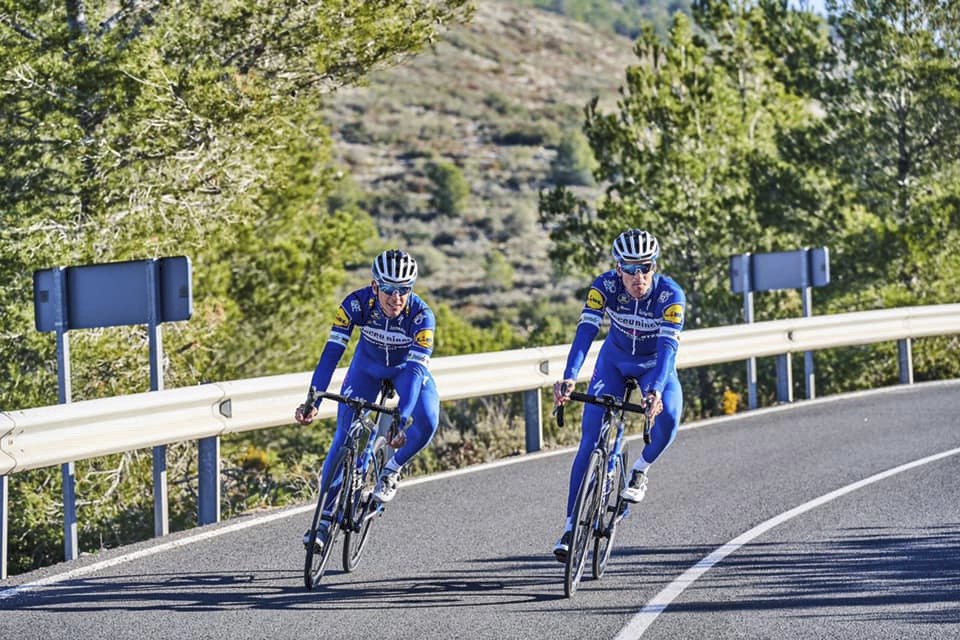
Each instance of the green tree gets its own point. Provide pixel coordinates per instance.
(450, 189)
(689, 155)
(136, 130)
(892, 104)
(574, 163)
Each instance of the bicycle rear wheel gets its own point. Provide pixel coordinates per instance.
(609, 516)
(316, 561)
(362, 507)
(584, 520)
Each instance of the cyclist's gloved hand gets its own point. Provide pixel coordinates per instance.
(561, 392)
(306, 412)
(654, 404)
(398, 436)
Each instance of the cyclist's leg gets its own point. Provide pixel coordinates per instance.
(666, 424)
(426, 419)
(606, 380)
(357, 383)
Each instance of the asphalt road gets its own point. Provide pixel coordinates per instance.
(468, 555)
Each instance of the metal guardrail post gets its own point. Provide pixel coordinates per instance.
(905, 356)
(532, 411)
(208, 490)
(4, 485)
(784, 378)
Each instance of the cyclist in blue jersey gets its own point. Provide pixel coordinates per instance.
(396, 340)
(646, 311)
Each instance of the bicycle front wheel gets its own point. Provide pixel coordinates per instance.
(362, 507)
(316, 559)
(609, 515)
(584, 520)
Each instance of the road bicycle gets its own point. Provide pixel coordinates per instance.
(598, 508)
(358, 466)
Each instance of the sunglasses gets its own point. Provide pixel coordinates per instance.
(390, 289)
(636, 267)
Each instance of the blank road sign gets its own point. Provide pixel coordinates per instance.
(780, 270)
(116, 293)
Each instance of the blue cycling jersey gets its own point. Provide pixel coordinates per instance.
(645, 330)
(387, 346)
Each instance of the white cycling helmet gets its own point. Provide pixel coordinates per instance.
(395, 267)
(635, 245)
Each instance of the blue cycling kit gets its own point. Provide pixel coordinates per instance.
(396, 349)
(642, 343)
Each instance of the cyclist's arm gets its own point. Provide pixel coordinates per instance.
(340, 334)
(416, 367)
(587, 328)
(668, 341)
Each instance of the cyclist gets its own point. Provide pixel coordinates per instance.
(646, 312)
(396, 340)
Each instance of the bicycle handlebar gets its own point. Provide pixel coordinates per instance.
(608, 402)
(359, 404)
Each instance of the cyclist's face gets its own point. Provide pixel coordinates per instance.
(637, 285)
(392, 304)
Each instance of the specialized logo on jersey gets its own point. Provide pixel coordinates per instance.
(342, 319)
(610, 285)
(673, 313)
(666, 295)
(418, 356)
(355, 306)
(595, 299)
(419, 318)
(424, 338)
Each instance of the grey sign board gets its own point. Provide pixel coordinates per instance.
(780, 270)
(116, 293)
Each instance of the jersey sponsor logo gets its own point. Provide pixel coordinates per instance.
(418, 356)
(633, 323)
(419, 318)
(595, 299)
(355, 306)
(623, 298)
(668, 332)
(342, 319)
(424, 338)
(590, 318)
(338, 338)
(387, 339)
(610, 285)
(673, 313)
(666, 295)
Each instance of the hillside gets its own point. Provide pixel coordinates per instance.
(494, 98)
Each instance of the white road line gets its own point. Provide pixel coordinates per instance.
(662, 600)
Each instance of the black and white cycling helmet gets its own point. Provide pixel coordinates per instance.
(635, 245)
(395, 267)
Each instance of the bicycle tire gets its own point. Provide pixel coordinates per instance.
(362, 508)
(315, 563)
(584, 520)
(609, 516)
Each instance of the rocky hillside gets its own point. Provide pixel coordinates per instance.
(491, 102)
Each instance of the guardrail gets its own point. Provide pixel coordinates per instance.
(47, 436)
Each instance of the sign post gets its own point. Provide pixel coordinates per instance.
(108, 295)
(801, 269)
